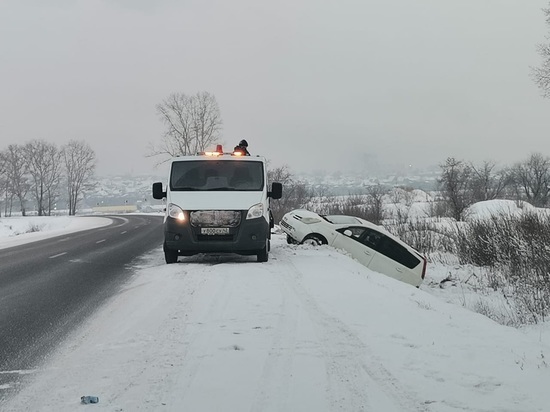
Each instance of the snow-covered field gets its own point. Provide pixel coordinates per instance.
(310, 330)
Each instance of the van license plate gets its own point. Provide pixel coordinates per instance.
(215, 230)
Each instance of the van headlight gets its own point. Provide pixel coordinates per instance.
(255, 211)
(175, 212)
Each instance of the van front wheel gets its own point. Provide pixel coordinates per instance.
(170, 255)
(263, 256)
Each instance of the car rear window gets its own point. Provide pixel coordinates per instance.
(397, 252)
(389, 248)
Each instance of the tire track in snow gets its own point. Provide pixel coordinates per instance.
(273, 385)
(155, 368)
(203, 333)
(356, 380)
(218, 330)
(179, 362)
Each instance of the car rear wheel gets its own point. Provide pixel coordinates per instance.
(314, 240)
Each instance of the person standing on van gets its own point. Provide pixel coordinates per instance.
(242, 147)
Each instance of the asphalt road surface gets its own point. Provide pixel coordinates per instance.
(49, 287)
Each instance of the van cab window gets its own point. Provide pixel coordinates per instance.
(204, 175)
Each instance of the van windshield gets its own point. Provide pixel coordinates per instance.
(220, 175)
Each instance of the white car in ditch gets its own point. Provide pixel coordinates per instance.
(366, 242)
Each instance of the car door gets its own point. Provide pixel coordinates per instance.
(349, 239)
(393, 259)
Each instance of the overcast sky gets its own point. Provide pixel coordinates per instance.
(312, 84)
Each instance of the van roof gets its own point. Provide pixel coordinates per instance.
(223, 157)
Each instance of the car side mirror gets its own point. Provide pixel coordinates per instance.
(276, 190)
(348, 233)
(158, 193)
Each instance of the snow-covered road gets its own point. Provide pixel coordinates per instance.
(310, 330)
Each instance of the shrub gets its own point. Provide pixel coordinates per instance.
(34, 227)
(516, 248)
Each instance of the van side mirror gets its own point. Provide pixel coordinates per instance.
(276, 190)
(157, 191)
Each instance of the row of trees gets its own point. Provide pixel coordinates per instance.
(463, 183)
(44, 173)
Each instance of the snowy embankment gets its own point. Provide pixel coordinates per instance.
(18, 230)
(310, 330)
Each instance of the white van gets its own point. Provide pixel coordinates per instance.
(217, 202)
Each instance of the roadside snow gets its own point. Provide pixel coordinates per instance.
(310, 330)
(19, 230)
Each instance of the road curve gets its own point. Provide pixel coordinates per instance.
(48, 287)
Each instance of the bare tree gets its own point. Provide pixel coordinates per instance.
(455, 182)
(532, 179)
(374, 205)
(80, 161)
(4, 184)
(488, 183)
(2, 164)
(207, 121)
(44, 165)
(296, 194)
(192, 124)
(16, 173)
(541, 75)
(280, 174)
(53, 176)
(3, 179)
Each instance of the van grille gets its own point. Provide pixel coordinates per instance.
(215, 218)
